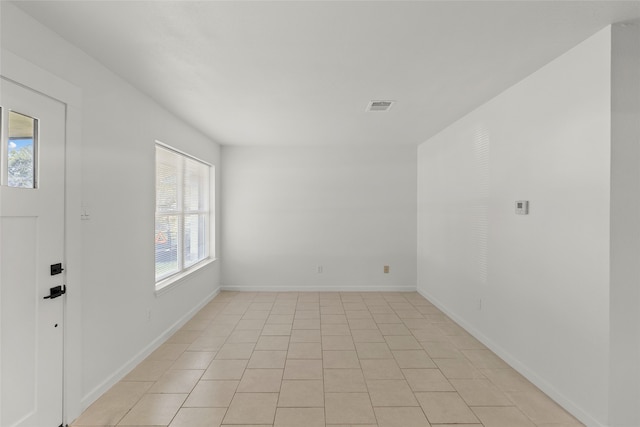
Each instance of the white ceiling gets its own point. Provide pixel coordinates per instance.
(302, 73)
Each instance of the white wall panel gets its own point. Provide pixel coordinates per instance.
(534, 287)
(288, 210)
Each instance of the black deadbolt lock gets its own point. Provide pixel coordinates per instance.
(56, 269)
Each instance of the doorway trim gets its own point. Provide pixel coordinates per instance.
(25, 73)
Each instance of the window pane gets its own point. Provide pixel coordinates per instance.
(195, 248)
(196, 186)
(168, 166)
(167, 247)
(21, 161)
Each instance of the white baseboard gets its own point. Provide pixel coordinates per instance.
(523, 369)
(98, 391)
(253, 288)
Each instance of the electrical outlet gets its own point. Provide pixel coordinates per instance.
(320, 269)
(148, 315)
(386, 269)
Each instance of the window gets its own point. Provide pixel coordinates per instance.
(20, 150)
(182, 234)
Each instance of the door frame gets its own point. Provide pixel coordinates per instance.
(29, 75)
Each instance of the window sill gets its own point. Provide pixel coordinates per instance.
(166, 285)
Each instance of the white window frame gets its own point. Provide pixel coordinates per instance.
(165, 283)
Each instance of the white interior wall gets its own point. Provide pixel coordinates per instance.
(288, 210)
(119, 129)
(534, 288)
(625, 227)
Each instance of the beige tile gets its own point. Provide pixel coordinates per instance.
(114, 404)
(344, 381)
(332, 309)
(540, 408)
(348, 408)
(194, 360)
(301, 394)
(362, 325)
(401, 417)
(277, 329)
(168, 352)
(207, 343)
(154, 410)
(413, 359)
(367, 336)
(449, 328)
(148, 370)
(299, 369)
(261, 306)
(333, 319)
(305, 335)
(304, 306)
(305, 351)
(381, 369)
(390, 393)
(373, 350)
(508, 380)
(252, 408)
(357, 314)
(441, 350)
(306, 323)
(272, 343)
(225, 370)
(484, 359)
(255, 315)
(297, 417)
(198, 417)
(183, 337)
(402, 342)
(480, 392)
(260, 381)
(416, 324)
(285, 319)
(409, 314)
(354, 306)
(457, 369)
(393, 329)
(340, 359)
(445, 408)
(386, 318)
(429, 333)
(212, 394)
(335, 329)
(244, 336)
(427, 380)
(218, 330)
(337, 342)
(505, 416)
(268, 359)
(306, 314)
(235, 351)
(465, 342)
(177, 381)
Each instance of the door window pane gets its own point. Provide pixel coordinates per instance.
(21, 151)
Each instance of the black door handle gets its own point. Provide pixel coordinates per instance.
(56, 291)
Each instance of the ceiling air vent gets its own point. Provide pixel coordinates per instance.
(379, 105)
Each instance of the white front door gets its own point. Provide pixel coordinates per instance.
(32, 192)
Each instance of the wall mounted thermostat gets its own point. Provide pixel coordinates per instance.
(522, 207)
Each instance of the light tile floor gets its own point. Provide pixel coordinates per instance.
(323, 359)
